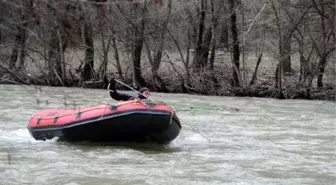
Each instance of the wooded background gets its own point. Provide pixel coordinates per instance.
(203, 46)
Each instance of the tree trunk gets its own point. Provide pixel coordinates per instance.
(2, 8)
(186, 64)
(302, 66)
(224, 35)
(235, 45)
(106, 47)
(206, 48)
(158, 54)
(53, 52)
(214, 24)
(136, 55)
(199, 45)
(213, 53)
(15, 52)
(213, 46)
(278, 71)
(287, 42)
(116, 55)
(287, 49)
(138, 40)
(115, 47)
(23, 47)
(62, 45)
(254, 77)
(88, 71)
(54, 59)
(303, 62)
(57, 45)
(19, 50)
(100, 9)
(323, 51)
(322, 63)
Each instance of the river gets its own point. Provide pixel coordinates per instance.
(224, 140)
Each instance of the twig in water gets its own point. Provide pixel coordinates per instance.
(8, 158)
(74, 105)
(65, 100)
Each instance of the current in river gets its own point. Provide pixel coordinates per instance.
(224, 140)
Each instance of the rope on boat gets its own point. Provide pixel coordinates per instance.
(171, 117)
(103, 113)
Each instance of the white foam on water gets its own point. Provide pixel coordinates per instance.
(197, 137)
(15, 135)
(21, 133)
(20, 136)
(71, 183)
(194, 139)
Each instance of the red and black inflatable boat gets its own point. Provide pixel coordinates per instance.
(130, 121)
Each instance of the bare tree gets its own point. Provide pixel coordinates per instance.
(138, 40)
(235, 42)
(215, 13)
(88, 69)
(19, 49)
(325, 46)
(204, 37)
(57, 42)
(2, 15)
(158, 53)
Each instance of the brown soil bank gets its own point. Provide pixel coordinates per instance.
(265, 89)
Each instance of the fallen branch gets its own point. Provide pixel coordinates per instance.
(13, 74)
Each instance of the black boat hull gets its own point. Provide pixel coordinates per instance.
(135, 126)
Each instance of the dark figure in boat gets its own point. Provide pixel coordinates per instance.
(124, 97)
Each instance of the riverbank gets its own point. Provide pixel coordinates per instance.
(265, 89)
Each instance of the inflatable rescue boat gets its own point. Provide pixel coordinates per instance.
(130, 121)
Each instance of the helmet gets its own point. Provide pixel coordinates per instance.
(144, 93)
